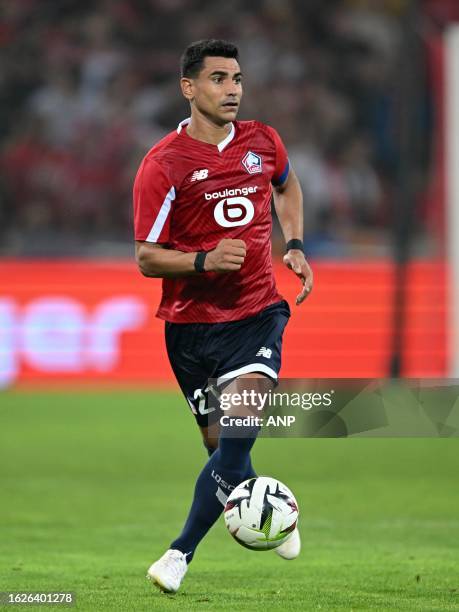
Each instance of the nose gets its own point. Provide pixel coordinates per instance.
(233, 89)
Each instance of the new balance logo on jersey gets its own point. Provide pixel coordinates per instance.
(264, 352)
(199, 175)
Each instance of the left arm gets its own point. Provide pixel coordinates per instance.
(288, 202)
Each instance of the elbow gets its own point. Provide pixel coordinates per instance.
(146, 265)
(146, 271)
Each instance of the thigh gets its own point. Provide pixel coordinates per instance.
(259, 383)
(253, 345)
(248, 348)
(185, 344)
(221, 352)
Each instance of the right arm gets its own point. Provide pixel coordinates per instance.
(158, 262)
(154, 196)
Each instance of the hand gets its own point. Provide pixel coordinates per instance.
(295, 260)
(228, 256)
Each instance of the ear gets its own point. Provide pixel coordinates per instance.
(187, 88)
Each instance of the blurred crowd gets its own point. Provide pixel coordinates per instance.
(86, 88)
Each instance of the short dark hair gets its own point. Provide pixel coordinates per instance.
(192, 60)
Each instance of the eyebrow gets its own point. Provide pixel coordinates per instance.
(223, 73)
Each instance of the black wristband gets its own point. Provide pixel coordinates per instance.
(199, 261)
(295, 243)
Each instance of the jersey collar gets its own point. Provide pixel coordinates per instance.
(221, 145)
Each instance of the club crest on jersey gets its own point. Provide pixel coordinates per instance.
(252, 163)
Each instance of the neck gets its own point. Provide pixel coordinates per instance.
(202, 128)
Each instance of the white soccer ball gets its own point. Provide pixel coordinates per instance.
(261, 513)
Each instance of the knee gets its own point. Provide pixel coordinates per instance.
(209, 447)
(209, 439)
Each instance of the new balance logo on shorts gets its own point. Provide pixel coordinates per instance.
(199, 175)
(264, 352)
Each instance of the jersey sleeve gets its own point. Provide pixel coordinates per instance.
(154, 195)
(282, 166)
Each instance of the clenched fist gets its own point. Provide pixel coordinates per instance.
(228, 256)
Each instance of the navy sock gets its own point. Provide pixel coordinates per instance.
(228, 466)
(250, 473)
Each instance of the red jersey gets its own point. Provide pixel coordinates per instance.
(189, 195)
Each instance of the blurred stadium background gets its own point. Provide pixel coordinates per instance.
(357, 90)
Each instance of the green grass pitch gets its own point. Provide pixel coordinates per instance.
(93, 487)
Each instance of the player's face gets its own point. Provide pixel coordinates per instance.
(216, 92)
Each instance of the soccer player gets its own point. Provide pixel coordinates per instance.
(202, 215)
